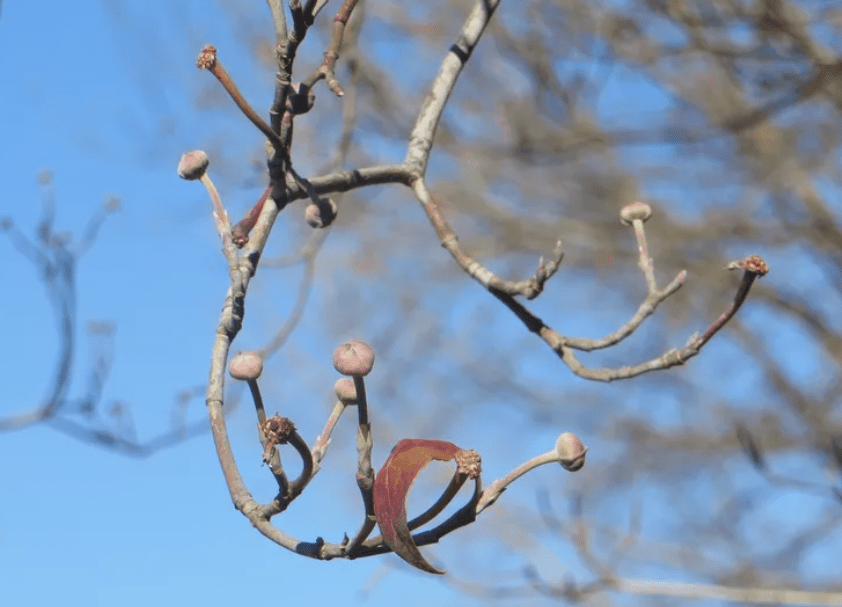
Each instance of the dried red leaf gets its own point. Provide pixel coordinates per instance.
(391, 488)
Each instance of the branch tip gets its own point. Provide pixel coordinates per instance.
(207, 57)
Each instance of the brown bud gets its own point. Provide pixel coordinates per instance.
(571, 452)
(277, 430)
(468, 462)
(635, 210)
(354, 358)
(207, 57)
(246, 366)
(755, 265)
(193, 165)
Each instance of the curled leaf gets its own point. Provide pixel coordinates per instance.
(391, 488)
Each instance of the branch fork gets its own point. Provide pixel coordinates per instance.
(384, 494)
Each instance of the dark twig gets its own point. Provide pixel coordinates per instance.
(433, 511)
(754, 268)
(306, 475)
(209, 61)
(466, 515)
(327, 69)
(365, 473)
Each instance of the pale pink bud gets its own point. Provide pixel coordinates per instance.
(354, 358)
(345, 391)
(571, 452)
(193, 165)
(246, 366)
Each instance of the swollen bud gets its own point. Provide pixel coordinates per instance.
(354, 358)
(246, 366)
(193, 165)
(345, 390)
(571, 452)
(635, 210)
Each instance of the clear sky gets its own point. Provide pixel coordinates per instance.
(104, 95)
(104, 98)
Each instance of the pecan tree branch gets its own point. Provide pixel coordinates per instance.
(342, 181)
(279, 18)
(754, 267)
(646, 309)
(209, 61)
(529, 288)
(421, 137)
(326, 70)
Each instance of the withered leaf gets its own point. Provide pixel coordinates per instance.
(391, 488)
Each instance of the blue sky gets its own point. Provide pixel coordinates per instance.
(106, 98)
(83, 98)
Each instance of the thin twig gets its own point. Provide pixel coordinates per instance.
(495, 489)
(424, 130)
(645, 310)
(529, 288)
(209, 61)
(323, 440)
(433, 511)
(298, 485)
(327, 69)
(669, 359)
(365, 473)
(754, 268)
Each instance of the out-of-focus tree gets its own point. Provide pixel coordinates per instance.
(723, 116)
